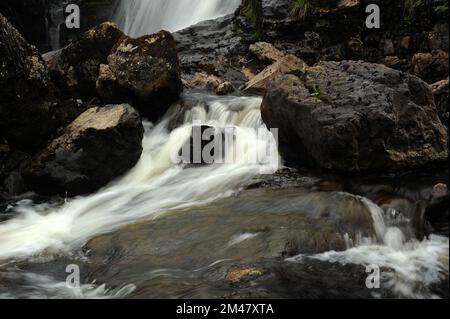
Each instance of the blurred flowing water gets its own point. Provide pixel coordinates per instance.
(140, 17)
(174, 231)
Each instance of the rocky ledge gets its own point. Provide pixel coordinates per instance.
(355, 116)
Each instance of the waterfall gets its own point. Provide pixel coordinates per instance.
(140, 17)
(57, 19)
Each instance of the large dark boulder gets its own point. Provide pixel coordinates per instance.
(354, 116)
(26, 99)
(145, 71)
(74, 69)
(100, 145)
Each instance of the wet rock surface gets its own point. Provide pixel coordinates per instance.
(248, 246)
(213, 47)
(246, 237)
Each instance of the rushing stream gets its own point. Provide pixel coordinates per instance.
(153, 187)
(164, 230)
(168, 230)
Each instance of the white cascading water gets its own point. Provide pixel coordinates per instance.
(412, 265)
(140, 17)
(154, 187)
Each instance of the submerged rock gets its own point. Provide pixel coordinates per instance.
(26, 99)
(146, 71)
(355, 116)
(100, 145)
(74, 69)
(237, 275)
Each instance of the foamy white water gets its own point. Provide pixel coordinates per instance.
(39, 286)
(410, 266)
(140, 17)
(155, 186)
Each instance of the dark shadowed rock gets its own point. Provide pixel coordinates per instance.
(147, 72)
(437, 212)
(100, 145)
(30, 17)
(10, 163)
(225, 88)
(74, 69)
(68, 110)
(214, 47)
(26, 100)
(440, 91)
(107, 86)
(355, 116)
(431, 66)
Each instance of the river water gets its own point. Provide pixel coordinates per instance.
(166, 230)
(174, 231)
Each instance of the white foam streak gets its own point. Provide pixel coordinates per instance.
(38, 286)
